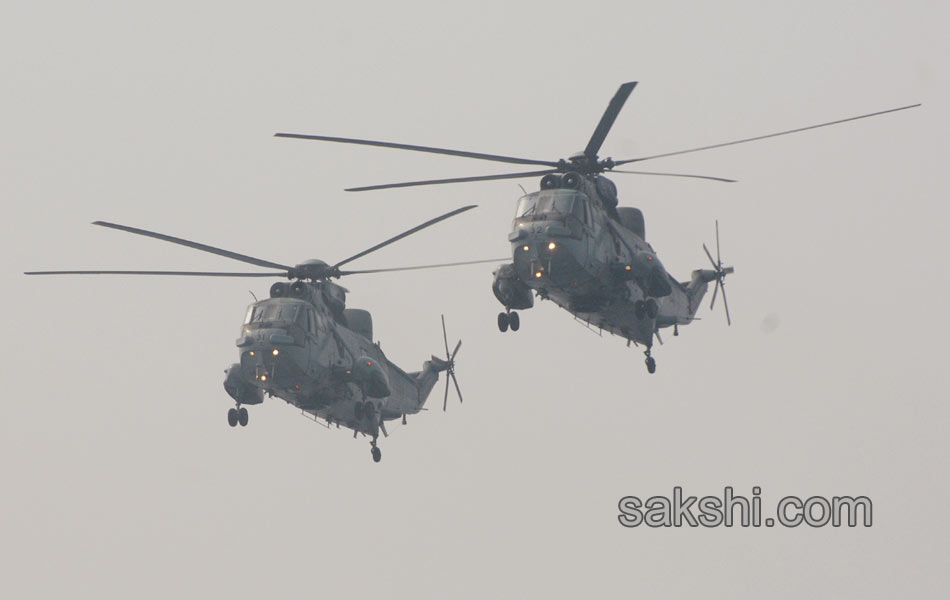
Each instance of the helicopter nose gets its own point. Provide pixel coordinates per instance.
(272, 364)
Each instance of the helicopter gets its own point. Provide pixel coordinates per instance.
(571, 243)
(304, 346)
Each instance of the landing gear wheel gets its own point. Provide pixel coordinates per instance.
(652, 310)
(232, 417)
(639, 309)
(515, 321)
(502, 322)
(242, 416)
(377, 454)
(651, 364)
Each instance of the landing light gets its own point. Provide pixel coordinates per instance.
(627, 267)
(251, 353)
(538, 274)
(525, 248)
(552, 246)
(276, 351)
(263, 377)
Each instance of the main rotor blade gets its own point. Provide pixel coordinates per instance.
(405, 234)
(675, 175)
(463, 153)
(607, 120)
(203, 247)
(766, 136)
(439, 266)
(386, 186)
(189, 273)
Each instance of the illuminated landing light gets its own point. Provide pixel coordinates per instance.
(538, 274)
(263, 377)
(627, 267)
(526, 248)
(552, 246)
(276, 351)
(251, 353)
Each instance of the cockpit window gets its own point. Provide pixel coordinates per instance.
(526, 206)
(272, 311)
(555, 203)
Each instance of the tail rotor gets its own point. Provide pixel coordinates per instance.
(450, 369)
(721, 273)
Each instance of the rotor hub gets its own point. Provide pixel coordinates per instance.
(312, 269)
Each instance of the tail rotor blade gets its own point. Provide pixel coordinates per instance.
(725, 304)
(445, 400)
(456, 351)
(455, 381)
(718, 257)
(715, 291)
(445, 338)
(715, 266)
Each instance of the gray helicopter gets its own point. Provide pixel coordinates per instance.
(572, 244)
(304, 346)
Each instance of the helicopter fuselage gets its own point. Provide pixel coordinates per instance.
(572, 246)
(302, 346)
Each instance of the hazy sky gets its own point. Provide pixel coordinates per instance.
(120, 474)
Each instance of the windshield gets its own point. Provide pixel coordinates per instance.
(560, 202)
(269, 312)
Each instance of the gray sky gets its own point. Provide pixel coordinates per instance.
(120, 475)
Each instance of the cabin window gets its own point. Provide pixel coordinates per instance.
(580, 209)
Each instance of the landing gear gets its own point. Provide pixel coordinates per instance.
(237, 415)
(376, 452)
(650, 362)
(508, 319)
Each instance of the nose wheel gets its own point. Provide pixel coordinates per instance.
(508, 319)
(650, 361)
(237, 416)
